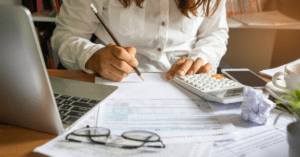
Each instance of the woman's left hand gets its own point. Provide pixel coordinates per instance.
(187, 66)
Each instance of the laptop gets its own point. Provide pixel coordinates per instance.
(28, 96)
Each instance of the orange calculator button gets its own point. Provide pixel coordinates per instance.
(216, 76)
(219, 77)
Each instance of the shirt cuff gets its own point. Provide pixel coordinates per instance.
(86, 57)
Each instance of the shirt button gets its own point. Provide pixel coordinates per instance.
(163, 23)
(159, 49)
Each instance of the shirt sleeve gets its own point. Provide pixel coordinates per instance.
(212, 38)
(74, 27)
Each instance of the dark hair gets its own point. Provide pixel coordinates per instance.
(185, 6)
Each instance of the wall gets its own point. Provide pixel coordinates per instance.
(250, 48)
(15, 2)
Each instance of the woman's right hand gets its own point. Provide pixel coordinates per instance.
(113, 62)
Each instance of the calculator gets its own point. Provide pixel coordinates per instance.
(212, 87)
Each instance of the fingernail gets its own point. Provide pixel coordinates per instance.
(136, 62)
(181, 72)
(169, 76)
(191, 72)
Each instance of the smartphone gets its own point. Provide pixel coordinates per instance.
(245, 77)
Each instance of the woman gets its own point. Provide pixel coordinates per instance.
(175, 36)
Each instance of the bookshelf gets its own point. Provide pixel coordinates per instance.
(246, 43)
(42, 17)
(232, 23)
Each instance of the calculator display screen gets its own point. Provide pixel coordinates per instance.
(227, 93)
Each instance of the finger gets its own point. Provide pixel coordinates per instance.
(120, 64)
(132, 52)
(122, 54)
(185, 67)
(117, 72)
(196, 66)
(108, 75)
(206, 68)
(175, 67)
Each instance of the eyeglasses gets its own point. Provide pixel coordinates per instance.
(128, 140)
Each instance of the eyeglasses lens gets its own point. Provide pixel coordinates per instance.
(92, 131)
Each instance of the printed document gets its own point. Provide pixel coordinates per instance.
(256, 140)
(175, 120)
(271, 72)
(60, 147)
(162, 106)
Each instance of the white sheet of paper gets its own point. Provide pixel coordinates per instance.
(134, 78)
(271, 72)
(60, 147)
(157, 96)
(155, 86)
(265, 140)
(190, 120)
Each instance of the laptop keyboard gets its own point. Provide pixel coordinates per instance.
(72, 108)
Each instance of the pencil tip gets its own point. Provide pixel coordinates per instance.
(141, 77)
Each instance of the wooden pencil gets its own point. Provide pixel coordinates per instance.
(112, 36)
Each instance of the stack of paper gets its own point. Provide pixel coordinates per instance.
(271, 72)
(187, 124)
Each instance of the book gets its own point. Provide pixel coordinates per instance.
(47, 5)
(44, 48)
(39, 6)
(30, 4)
(270, 18)
(50, 51)
(57, 4)
(54, 6)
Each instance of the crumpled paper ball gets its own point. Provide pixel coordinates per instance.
(256, 106)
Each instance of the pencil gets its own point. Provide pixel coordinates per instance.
(112, 35)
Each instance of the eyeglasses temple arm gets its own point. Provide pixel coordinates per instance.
(70, 139)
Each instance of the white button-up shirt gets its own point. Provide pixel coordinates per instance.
(160, 33)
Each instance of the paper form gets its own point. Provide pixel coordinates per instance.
(266, 140)
(271, 72)
(162, 106)
(134, 78)
(186, 119)
(60, 147)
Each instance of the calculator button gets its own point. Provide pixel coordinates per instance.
(234, 84)
(219, 77)
(181, 78)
